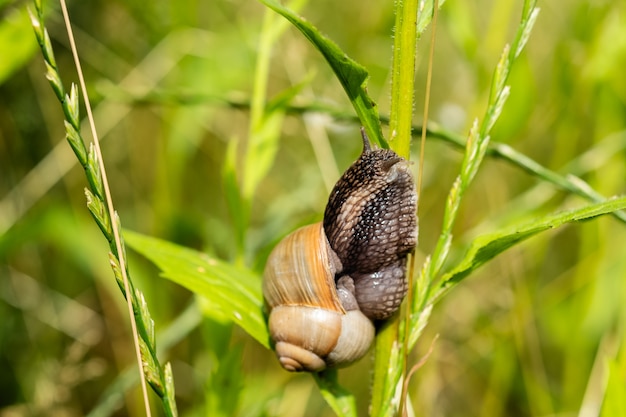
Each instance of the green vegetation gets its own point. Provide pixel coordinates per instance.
(223, 129)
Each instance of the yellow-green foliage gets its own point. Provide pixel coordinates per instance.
(181, 90)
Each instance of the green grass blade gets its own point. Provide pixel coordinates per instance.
(475, 149)
(568, 182)
(265, 121)
(238, 206)
(226, 383)
(488, 246)
(352, 76)
(233, 292)
(264, 140)
(614, 403)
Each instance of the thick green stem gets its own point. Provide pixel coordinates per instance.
(403, 77)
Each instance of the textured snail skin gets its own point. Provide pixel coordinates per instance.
(371, 225)
(325, 283)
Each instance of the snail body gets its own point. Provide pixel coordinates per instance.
(326, 283)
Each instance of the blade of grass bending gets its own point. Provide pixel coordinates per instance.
(352, 76)
(234, 291)
(505, 152)
(495, 149)
(265, 118)
(475, 149)
(478, 141)
(488, 246)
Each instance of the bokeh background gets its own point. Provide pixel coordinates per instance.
(537, 332)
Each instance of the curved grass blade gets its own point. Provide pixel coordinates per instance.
(352, 76)
(234, 293)
(488, 246)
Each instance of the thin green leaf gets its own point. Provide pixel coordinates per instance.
(488, 246)
(226, 384)
(265, 125)
(262, 148)
(352, 76)
(425, 14)
(234, 292)
(568, 182)
(238, 207)
(282, 101)
(169, 386)
(614, 403)
(264, 140)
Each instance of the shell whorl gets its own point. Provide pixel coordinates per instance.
(310, 339)
(303, 254)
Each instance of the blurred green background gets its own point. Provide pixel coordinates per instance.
(537, 332)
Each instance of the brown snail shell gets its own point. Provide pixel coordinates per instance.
(326, 283)
(308, 324)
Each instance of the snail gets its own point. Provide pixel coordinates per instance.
(327, 283)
